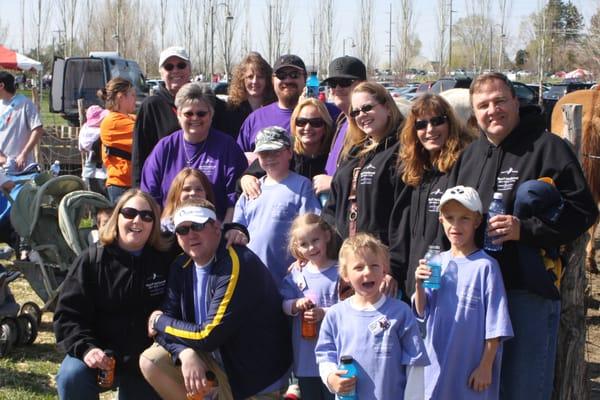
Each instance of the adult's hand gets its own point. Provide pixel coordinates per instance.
(504, 228)
(193, 371)
(20, 161)
(321, 183)
(236, 236)
(250, 186)
(389, 286)
(151, 321)
(96, 358)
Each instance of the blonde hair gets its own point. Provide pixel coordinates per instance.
(414, 159)
(305, 220)
(298, 147)
(172, 201)
(362, 243)
(110, 231)
(355, 136)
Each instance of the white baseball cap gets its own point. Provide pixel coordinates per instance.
(465, 195)
(173, 51)
(193, 214)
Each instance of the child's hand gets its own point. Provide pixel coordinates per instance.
(304, 304)
(341, 385)
(481, 378)
(314, 314)
(422, 272)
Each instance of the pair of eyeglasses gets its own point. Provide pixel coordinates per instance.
(343, 83)
(314, 122)
(364, 109)
(180, 65)
(131, 213)
(282, 75)
(183, 230)
(199, 114)
(435, 121)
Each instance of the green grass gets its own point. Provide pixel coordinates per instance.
(48, 118)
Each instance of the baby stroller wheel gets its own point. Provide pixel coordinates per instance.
(8, 335)
(27, 329)
(34, 310)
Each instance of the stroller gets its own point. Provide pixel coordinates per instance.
(47, 213)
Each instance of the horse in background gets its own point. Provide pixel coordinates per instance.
(590, 150)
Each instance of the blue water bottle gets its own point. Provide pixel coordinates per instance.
(496, 208)
(323, 197)
(55, 168)
(312, 85)
(434, 262)
(347, 364)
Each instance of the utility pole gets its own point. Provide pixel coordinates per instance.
(390, 41)
(450, 40)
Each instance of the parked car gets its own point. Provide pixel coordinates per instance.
(451, 83)
(557, 91)
(526, 94)
(425, 86)
(154, 84)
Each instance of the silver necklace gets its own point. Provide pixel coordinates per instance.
(190, 160)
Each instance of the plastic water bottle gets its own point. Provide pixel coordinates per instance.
(55, 168)
(312, 85)
(434, 262)
(323, 197)
(347, 364)
(496, 208)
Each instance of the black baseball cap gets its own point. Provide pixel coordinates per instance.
(346, 67)
(289, 60)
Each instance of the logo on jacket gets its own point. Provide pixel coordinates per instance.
(506, 179)
(433, 201)
(367, 174)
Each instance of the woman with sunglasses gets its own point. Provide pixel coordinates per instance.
(365, 183)
(116, 134)
(430, 143)
(250, 88)
(199, 146)
(106, 299)
(311, 127)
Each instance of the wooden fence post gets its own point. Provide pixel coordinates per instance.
(570, 378)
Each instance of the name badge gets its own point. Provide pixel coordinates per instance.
(379, 325)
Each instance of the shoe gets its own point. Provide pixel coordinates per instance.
(292, 393)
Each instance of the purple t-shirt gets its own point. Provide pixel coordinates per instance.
(219, 157)
(336, 149)
(270, 115)
(469, 308)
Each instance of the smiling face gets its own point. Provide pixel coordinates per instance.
(341, 95)
(460, 225)
(364, 271)
(195, 127)
(176, 77)
(432, 137)
(373, 122)
(288, 89)
(192, 189)
(254, 82)
(276, 163)
(200, 246)
(496, 110)
(134, 233)
(310, 137)
(311, 243)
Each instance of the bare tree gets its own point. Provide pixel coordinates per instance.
(41, 14)
(473, 32)
(442, 40)
(3, 31)
(227, 24)
(246, 38)
(365, 35)
(23, 26)
(163, 21)
(504, 7)
(186, 20)
(590, 45)
(407, 42)
(278, 18)
(326, 34)
(68, 14)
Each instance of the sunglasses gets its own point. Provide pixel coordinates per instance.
(180, 65)
(364, 109)
(435, 121)
(131, 213)
(199, 114)
(343, 83)
(183, 230)
(282, 75)
(314, 122)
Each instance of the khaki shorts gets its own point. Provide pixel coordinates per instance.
(163, 361)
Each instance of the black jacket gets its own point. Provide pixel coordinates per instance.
(106, 300)
(528, 152)
(245, 322)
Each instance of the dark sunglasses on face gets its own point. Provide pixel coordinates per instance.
(282, 75)
(131, 213)
(365, 109)
(344, 83)
(314, 122)
(180, 65)
(435, 121)
(183, 230)
(199, 114)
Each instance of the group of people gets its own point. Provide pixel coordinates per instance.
(198, 272)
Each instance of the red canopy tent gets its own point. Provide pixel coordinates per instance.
(10, 59)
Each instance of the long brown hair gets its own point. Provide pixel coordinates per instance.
(237, 93)
(414, 159)
(172, 201)
(298, 147)
(355, 136)
(109, 93)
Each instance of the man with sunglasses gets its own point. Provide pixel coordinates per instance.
(344, 74)
(289, 80)
(220, 300)
(515, 148)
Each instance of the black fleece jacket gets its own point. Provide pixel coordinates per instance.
(528, 152)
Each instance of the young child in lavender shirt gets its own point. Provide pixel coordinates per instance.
(467, 317)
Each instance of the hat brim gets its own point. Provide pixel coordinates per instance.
(341, 76)
(269, 147)
(289, 66)
(193, 214)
